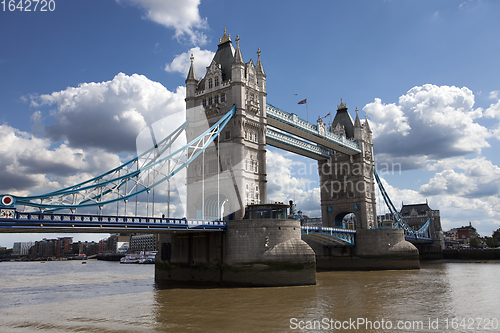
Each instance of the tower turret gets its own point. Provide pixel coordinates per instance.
(358, 127)
(191, 85)
(238, 77)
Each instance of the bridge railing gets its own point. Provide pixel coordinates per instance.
(342, 140)
(307, 228)
(345, 235)
(286, 139)
(66, 217)
(295, 121)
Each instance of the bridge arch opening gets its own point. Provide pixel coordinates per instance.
(216, 207)
(346, 220)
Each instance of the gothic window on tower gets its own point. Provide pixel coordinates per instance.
(210, 100)
(251, 78)
(222, 98)
(216, 81)
(204, 102)
(228, 135)
(210, 84)
(216, 99)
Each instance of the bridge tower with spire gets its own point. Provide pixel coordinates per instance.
(347, 183)
(241, 151)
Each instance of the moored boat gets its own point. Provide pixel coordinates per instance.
(143, 257)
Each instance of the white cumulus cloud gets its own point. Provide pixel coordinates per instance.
(282, 185)
(386, 118)
(182, 62)
(479, 178)
(182, 16)
(33, 164)
(430, 123)
(110, 114)
(493, 111)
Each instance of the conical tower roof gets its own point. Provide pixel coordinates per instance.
(224, 56)
(344, 118)
(259, 68)
(238, 58)
(192, 73)
(367, 124)
(357, 122)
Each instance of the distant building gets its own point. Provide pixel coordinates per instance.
(44, 248)
(21, 248)
(311, 221)
(143, 243)
(451, 234)
(451, 238)
(63, 246)
(59, 247)
(385, 220)
(416, 216)
(464, 234)
(87, 248)
(114, 244)
(496, 234)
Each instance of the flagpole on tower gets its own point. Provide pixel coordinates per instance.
(304, 101)
(307, 111)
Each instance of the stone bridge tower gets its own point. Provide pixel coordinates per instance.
(347, 183)
(241, 149)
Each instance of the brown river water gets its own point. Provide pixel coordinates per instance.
(99, 296)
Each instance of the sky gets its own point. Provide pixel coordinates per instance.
(80, 82)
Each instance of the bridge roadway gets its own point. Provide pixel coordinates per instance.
(12, 221)
(319, 139)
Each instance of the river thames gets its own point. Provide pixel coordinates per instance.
(100, 296)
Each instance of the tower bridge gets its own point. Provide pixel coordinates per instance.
(223, 158)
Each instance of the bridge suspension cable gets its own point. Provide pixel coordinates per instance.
(143, 173)
(400, 222)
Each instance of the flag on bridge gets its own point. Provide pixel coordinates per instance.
(328, 115)
(304, 101)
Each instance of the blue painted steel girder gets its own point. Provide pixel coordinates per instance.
(342, 237)
(290, 123)
(418, 240)
(13, 221)
(297, 146)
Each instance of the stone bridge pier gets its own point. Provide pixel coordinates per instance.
(260, 250)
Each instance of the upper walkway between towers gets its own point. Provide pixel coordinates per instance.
(294, 131)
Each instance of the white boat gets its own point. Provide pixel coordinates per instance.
(148, 257)
(143, 257)
(129, 259)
